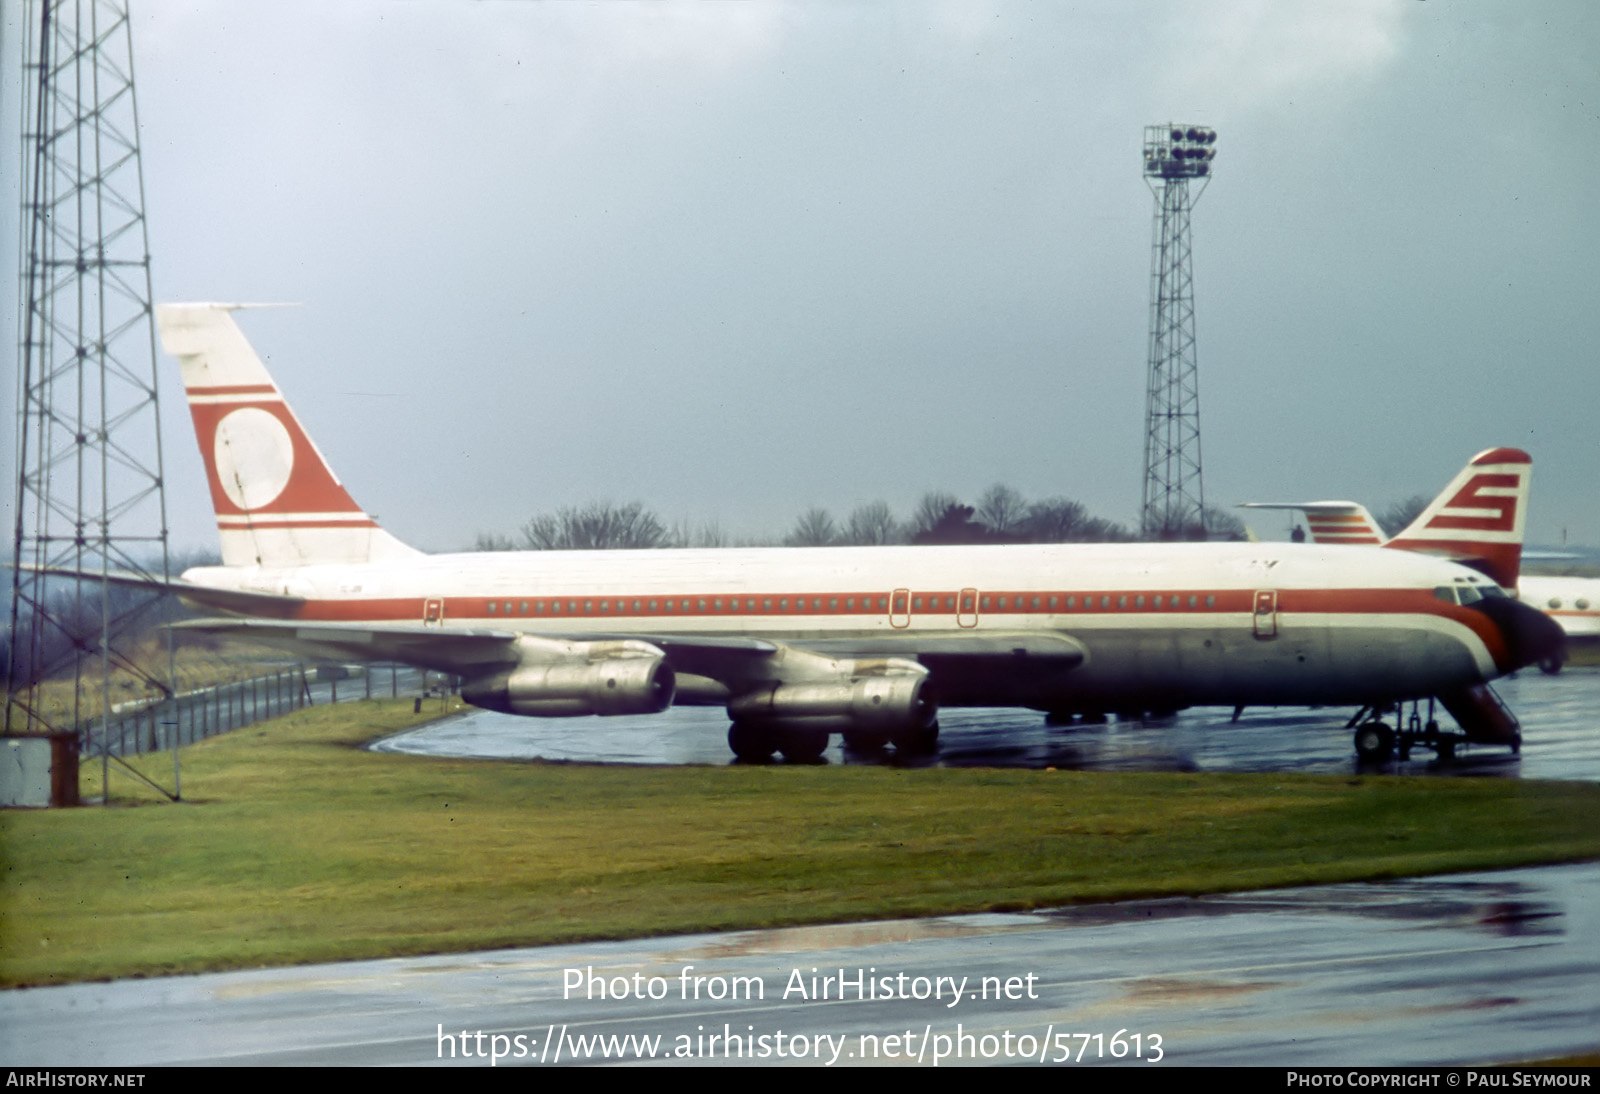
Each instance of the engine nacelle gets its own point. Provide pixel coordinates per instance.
(625, 677)
(883, 696)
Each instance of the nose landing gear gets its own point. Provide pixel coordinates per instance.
(1376, 743)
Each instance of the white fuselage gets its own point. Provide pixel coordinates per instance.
(1573, 602)
(1162, 625)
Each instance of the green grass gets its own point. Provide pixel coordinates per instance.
(297, 845)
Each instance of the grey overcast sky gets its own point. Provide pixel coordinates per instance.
(737, 260)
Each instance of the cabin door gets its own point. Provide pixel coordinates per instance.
(900, 608)
(1266, 613)
(967, 610)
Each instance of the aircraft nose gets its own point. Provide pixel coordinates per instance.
(1531, 635)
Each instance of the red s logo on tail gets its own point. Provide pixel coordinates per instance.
(1472, 498)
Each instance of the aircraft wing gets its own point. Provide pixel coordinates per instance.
(470, 651)
(463, 650)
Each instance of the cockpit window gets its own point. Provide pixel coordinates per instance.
(1492, 590)
(1469, 594)
(1444, 593)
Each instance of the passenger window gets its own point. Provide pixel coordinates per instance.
(1582, 605)
(492, 607)
(1211, 601)
(1555, 602)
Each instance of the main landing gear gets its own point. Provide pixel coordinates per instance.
(753, 743)
(1376, 743)
(756, 743)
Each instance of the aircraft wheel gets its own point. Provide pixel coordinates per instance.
(865, 740)
(1374, 742)
(751, 744)
(918, 741)
(1446, 750)
(1552, 664)
(803, 746)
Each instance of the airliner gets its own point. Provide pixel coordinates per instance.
(802, 643)
(1573, 602)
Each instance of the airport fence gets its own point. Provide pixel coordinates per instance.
(193, 715)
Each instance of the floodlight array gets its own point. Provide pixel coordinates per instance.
(1178, 151)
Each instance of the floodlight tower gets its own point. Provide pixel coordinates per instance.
(1174, 500)
(89, 495)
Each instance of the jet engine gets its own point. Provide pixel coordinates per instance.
(895, 696)
(558, 679)
(872, 701)
(866, 702)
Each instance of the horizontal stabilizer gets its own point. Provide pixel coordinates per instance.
(239, 601)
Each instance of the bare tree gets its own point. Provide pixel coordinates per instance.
(871, 525)
(815, 528)
(493, 541)
(930, 511)
(1002, 509)
(1224, 525)
(1397, 517)
(708, 533)
(596, 526)
(1056, 520)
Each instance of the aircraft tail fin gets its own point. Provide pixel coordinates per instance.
(1480, 517)
(1333, 522)
(277, 501)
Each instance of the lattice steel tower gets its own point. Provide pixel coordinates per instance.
(89, 475)
(1174, 499)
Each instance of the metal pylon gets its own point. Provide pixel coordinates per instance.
(1174, 497)
(89, 494)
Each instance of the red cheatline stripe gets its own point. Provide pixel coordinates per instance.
(243, 524)
(1420, 602)
(233, 389)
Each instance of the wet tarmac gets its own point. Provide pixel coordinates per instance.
(1560, 723)
(1468, 969)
